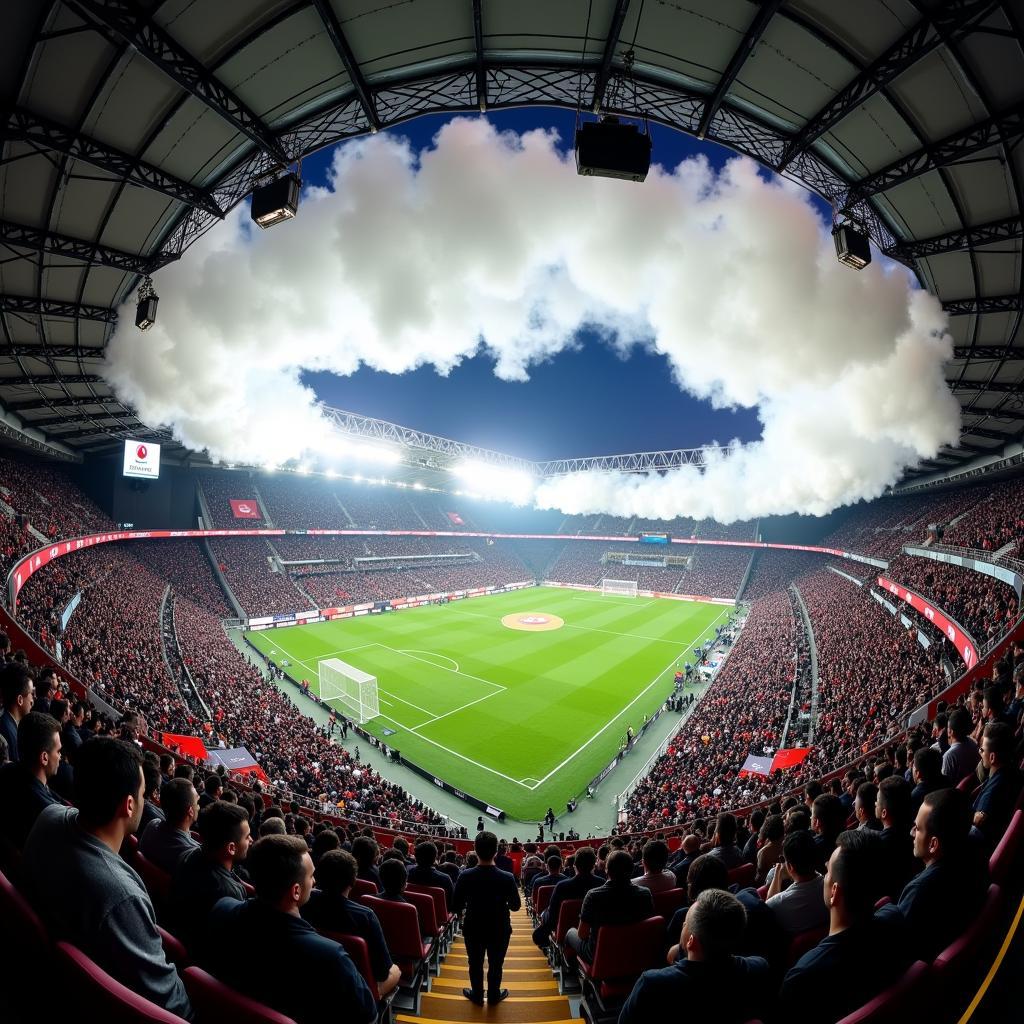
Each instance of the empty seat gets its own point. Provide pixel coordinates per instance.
(401, 926)
(106, 998)
(157, 882)
(541, 898)
(217, 1003)
(743, 876)
(563, 962)
(445, 920)
(897, 1004)
(429, 926)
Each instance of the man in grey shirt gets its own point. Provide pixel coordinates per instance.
(165, 843)
(84, 892)
(801, 907)
(962, 757)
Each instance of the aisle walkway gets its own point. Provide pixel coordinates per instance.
(533, 993)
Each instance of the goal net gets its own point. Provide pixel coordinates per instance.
(351, 690)
(623, 588)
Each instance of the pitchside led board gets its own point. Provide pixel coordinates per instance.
(141, 460)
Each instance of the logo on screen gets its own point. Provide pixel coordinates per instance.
(141, 452)
(245, 508)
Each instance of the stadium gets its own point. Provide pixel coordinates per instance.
(322, 621)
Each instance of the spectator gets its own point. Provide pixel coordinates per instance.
(167, 841)
(24, 786)
(711, 982)
(864, 807)
(552, 876)
(486, 895)
(706, 872)
(801, 907)
(424, 873)
(962, 757)
(655, 877)
(84, 892)
(927, 776)
(893, 809)
(689, 851)
(311, 976)
(817, 989)
(724, 843)
(18, 693)
(618, 901)
(206, 875)
(151, 811)
(365, 850)
(828, 819)
(944, 898)
(771, 838)
(575, 888)
(393, 877)
(994, 804)
(330, 909)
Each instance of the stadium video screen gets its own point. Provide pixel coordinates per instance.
(141, 460)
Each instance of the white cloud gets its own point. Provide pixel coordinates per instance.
(491, 241)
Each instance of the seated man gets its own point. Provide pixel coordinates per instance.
(424, 873)
(927, 776)
(801, 907)
(993, 806)
(84, 892)
(706, 872)
(151, 811)
(942, 900)
(654, 857)
(551, 877)
(708, 979)
(165, 843)
(365, 850)
(961, 758)
(309, 978)
(618, 901)
(898, 863)
(393, 877)
(688, 853)
(206, 875)
(724, 842)
(817, 989)
(330, 910)
(18, 694)
(575, 888)
(24, 786)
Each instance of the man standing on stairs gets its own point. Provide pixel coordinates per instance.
(486, 894)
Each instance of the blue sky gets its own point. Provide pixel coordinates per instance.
(589, 401)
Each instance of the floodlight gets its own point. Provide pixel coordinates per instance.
(330, 472)
(145, 311)
(417, 486)
(853, 247)
(276, 201)
(610, 148)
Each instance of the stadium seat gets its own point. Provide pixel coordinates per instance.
(157, 882)
(1005, 853)
(359, 952)
(622, 954)
(24, 952)
(107, 999)
(743, 876)
(401, 926)
(21, 921)
(174, 949)
(801, 943)
(561, 963)
(883, 901)
(429, 926)
(668, 902)
(217, 1003)
(541, 899)
(897, 1004)
(964, 960)
(445, 920)
(363, 887)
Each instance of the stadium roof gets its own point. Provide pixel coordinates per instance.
(130, 128)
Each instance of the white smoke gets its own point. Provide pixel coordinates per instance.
(491, 241)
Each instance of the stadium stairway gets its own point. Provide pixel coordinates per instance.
(532, 992)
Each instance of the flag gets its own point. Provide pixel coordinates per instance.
(191, 745)
(455, 519)
(756, 765)
(790, 757)
(245, 508)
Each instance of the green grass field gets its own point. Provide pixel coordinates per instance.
(520, 719)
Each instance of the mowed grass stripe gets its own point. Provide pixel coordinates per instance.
(562, 686)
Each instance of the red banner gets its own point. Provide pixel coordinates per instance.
(790, 757)
(245, 508)
(193, 746)
(964, 645)
(455, 519)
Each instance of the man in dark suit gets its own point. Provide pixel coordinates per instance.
(311, 976)
(24, 786)
(575, 888)
(993, 806)
(424, 873)
(18, 693)
(486, 895)
(893, 811)
(618, 901)
(940, 902)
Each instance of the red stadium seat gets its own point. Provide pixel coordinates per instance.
(174, 949)
(897, 1004)
(622, 954)
(668, 902)
(429, 926)
(363, 887)
(1005, 853)
(22, 926)
(562, 961)
(357, 949)
(883, 901)
(541, 899)
(157, 882)
(743, 877)
(445, 920)
(217, 1003)
(401, 926)
(963, 961)
(107, 999)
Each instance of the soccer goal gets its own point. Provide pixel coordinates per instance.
(352, 691)
(621, 588)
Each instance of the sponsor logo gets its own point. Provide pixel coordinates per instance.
(142, 453)
(929, 613)
(951, 633)
(534, 620)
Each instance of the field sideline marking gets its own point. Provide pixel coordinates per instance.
(617, 716)
(615, 604)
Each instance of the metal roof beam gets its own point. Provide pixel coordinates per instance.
(992, 435)
(22, 126)
(49, 352)
(993, 386)
(1001, 129)
(611, 41)
(955, 241)
(142, 434)
(56, 421)
(976, 449)
(983, 304)
(51, 379)
(355, 74)
(130, 21)
(478, 42)
(950, 20)
(27, 306)
(980, 352)
(39, 240)
(750, 39)
(61, 402)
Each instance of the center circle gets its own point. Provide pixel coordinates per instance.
(535, 622)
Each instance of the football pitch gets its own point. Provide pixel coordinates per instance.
(521, 714)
